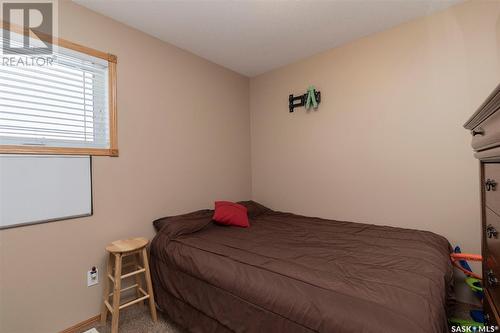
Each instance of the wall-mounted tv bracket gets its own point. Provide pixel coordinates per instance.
(298, 101)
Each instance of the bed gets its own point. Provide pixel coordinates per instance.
(291, 273)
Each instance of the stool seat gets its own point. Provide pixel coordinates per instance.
(134, 249)
(127, 245)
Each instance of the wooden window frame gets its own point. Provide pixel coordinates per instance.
(113, 112)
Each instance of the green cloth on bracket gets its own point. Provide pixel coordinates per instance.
(311, 98)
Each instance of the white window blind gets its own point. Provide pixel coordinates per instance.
(63, 103)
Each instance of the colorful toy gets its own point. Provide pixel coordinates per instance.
(476, 287)
(459, 260)
(464, 322)
(473, 280)
(477, 315)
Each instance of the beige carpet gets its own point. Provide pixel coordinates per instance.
(136, 319)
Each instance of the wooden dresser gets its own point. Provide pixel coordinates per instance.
(484, 126)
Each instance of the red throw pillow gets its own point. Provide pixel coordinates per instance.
(230, 213)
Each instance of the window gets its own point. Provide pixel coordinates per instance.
(63, 104)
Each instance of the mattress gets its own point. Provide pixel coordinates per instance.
(291, 273)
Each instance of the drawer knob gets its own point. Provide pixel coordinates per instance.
(492, 279)
(477, 131)
(491, 232)
(490, 184)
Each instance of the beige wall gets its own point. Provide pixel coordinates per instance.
(386, 145)
(181, 148)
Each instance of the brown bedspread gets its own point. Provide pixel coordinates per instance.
(290, 273)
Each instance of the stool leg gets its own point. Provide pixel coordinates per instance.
(104, 310)
(138, 281)
(116, 293)
(149, 285)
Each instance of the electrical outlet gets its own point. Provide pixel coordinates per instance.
(92, 276)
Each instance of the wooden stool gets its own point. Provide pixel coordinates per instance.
(135, 248)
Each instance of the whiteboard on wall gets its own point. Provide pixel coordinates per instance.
(43, 188)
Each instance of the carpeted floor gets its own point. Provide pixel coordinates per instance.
(136, 319)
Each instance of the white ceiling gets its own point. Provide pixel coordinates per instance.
(252, 37)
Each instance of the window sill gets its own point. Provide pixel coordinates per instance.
(37, 150)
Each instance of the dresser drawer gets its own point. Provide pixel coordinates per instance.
(487, 134)
(492, 237)
(491, 183)
(493, 289)
(490, 312)
(491, 265)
